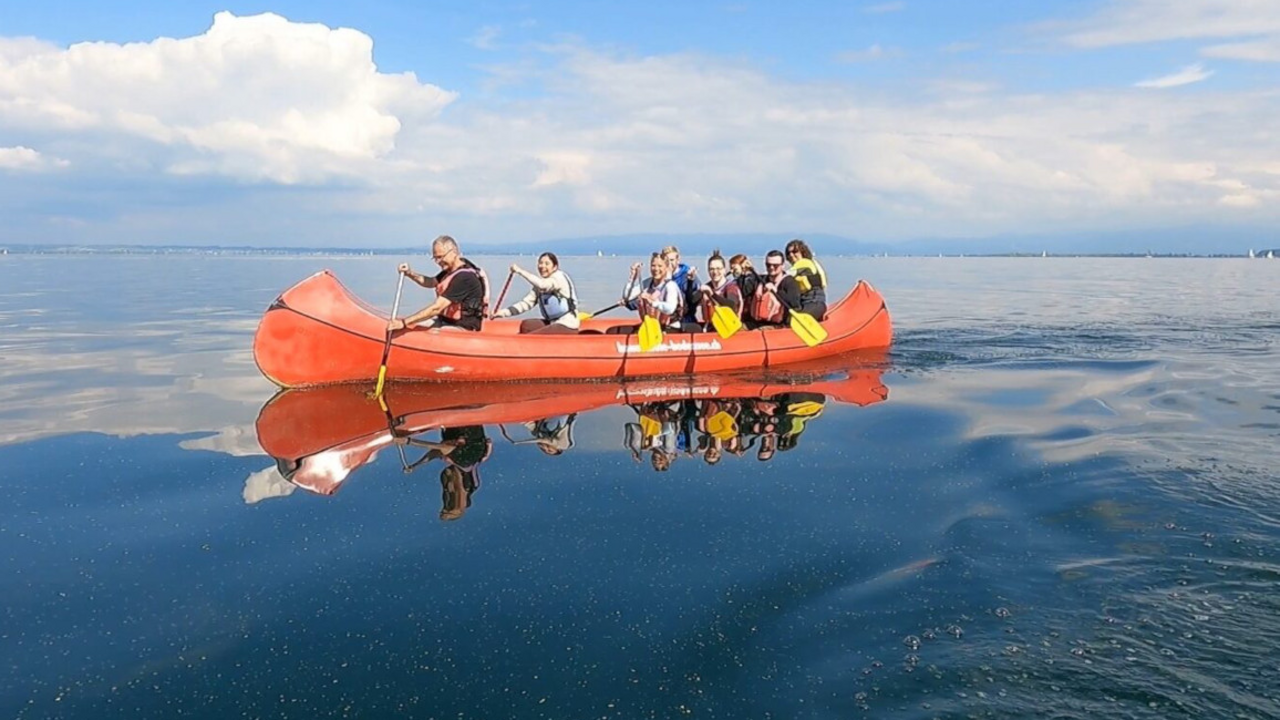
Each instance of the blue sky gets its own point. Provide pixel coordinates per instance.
(385, 122)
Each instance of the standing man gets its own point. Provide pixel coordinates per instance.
(462, 291)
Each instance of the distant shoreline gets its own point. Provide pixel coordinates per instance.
(401, 252)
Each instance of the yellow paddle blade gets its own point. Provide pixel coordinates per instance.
(725, 322)
(721, 426)
(649, 427)
(805, 408)
(650, 334)
(807, 328)
(583, 316)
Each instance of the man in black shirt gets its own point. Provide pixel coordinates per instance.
(462, 291)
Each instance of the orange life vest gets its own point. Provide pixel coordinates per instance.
(647, 308)
(766, 307)
(729, 288)
(455, 311)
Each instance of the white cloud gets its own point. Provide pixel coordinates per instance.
(486, 38)
(1125, 22)
(24, 158)
(1186, 76)
(874, 52)
(1253, 26)
(612, 143)
(1267, 50)
(254, 97)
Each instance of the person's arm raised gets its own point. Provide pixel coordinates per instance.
(426, 281)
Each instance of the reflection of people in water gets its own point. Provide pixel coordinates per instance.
(463, 449)
(553, 435)
(732, 426)
(655, 430)
(800, 408)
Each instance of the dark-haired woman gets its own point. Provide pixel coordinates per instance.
(809, 292)
(553, 294)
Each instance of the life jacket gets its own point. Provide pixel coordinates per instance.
(553, 306)
(456, 310)
(765, 306)
(666, 319)
(810, 293)
(709, 307)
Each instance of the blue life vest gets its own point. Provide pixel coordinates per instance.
(553, 306)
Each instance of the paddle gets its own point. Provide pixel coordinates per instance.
(807, 328)
(722, 426)
(502, 295)
(588, 316)
(386, 348)
(724, 319)
(650, 333)
(804, 325)
(649, 427)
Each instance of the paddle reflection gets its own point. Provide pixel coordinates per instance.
(319, 437)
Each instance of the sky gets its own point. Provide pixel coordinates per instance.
(384, 123)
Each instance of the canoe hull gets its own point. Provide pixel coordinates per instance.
(318, 333)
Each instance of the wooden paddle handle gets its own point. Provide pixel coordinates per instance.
(502, 295)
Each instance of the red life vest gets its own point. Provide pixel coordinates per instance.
(647, 308)
(766, 307)
(730, 288)
(455, 310)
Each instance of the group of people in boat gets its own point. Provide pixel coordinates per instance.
(791, 281)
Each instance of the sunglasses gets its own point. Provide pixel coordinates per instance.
(773, 265)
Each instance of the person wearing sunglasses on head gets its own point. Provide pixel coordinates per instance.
(808, 293)
(462, 291)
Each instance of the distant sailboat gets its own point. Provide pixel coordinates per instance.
(1271, 254)
(1251, 255)
(1044, 253)
(599, 253)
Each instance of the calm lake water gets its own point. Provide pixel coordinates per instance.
(1058, 497)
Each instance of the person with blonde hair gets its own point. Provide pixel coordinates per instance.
(655, 297)
(686, 280)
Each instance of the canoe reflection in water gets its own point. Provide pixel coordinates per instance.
(319, 436)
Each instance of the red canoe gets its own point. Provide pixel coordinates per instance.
(301, 423)
(318, 333)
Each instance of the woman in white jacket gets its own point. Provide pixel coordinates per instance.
(552, 293)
